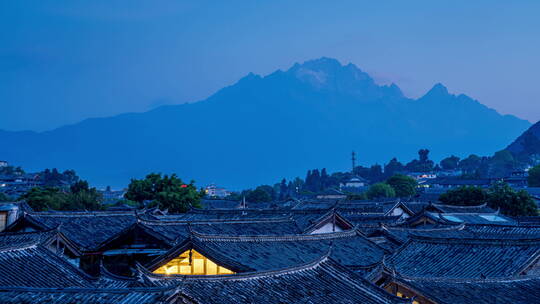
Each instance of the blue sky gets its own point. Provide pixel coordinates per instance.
(64, 61)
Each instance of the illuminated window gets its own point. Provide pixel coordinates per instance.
(192, 263)
(3, 220)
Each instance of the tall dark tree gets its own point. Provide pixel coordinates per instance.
(450, 163)
(325, 179)
(393, 167)
(283, 190)
(502, 164)
(423, 155)
(259, 195)
(534, 176)
(470, 164)
(422, 164)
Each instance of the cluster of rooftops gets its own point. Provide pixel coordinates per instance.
(316, 251)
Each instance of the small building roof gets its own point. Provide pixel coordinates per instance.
(27, 263)
(519, 290)
(450, 255)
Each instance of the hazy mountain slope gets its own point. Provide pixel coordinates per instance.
(527, 146)
(264, 128)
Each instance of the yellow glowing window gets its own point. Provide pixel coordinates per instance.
(192, 263)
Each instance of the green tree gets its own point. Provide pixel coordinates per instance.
(465, 196)
(422, 164)
(502, 164)
(82, 197)
(380, 190)
(534, 176)
(511, 202)
(403, 185)
(470, 164)
(164, 192)
(393, 167)
(44, 199)
(259, 195)
(450, 163)
(79, 197)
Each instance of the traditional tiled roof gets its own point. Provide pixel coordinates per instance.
(477, 218)
(462, 257)
(462, 209)
(86, 229)
(415, 207)
(89, 296)
(109, 280)
(369, 223)
(261, 253)
(319, 281)
(12, 239)
(436, 219)
(219, 204)
(32, 265)
(315, 204)
(527, 220)
(175, 231)
(521, 290)
(225, 214)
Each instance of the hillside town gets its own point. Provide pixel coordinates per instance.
(418, 237)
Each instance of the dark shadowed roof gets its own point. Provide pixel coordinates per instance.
(86, 229)
(521, 290)
(528, 220)
(463, 209)
(175, 231)
(88, 296)
(13, 239)
(322, 281)
(442, 256)
(32, 265)
(260, 253)
(219, 204)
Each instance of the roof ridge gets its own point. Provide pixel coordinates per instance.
(471, 240)
(292, 237)
(457, 206)
(212, 221)
(79, 213)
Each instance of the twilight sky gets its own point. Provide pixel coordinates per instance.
(66, 60)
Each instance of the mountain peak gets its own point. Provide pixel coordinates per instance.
(438, 89)
(329, 73)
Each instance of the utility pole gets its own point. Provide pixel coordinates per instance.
(353, 162)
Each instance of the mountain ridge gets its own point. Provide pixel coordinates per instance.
(263, 128)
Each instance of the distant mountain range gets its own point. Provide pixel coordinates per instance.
(262, 129)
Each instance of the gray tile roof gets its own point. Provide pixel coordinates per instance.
(32, 265)
(319, 281)
(463, 257)
(520, 290)
(88, 296)
(86, 229)
(261, 253)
